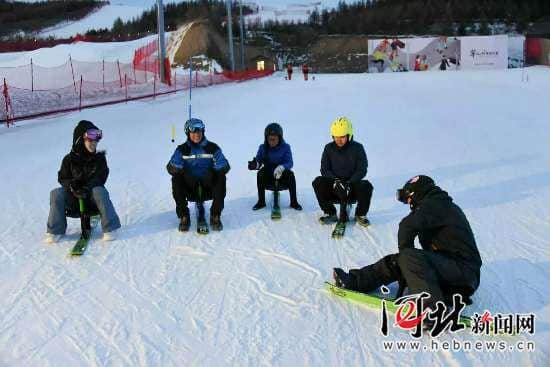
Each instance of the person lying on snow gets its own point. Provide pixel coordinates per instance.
(449, 261)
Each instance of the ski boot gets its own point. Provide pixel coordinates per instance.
(362, 220)
(216, 222)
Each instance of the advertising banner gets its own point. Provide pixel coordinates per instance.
(438, 53)
(483, 53)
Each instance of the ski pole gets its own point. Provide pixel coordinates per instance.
(173, 132)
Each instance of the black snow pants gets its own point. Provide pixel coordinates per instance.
(265, 179)
(438, 274)
(360, 191)
(186, 188)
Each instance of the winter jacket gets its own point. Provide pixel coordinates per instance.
(281, 154)
(82, 169)
(197, 159)
(441, 226)
(348, 163)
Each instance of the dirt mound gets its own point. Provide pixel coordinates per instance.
(340, 54)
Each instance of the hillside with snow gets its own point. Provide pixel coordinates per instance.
(252, 295)
(281, 10)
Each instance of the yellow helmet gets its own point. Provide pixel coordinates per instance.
(341, 127)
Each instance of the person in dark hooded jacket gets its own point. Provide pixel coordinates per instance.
(449, 261)
(198, 163)
(274, 162)
(83, 174)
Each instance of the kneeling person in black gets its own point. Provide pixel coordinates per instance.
(274, 162)
(198, 168)
(343, 166)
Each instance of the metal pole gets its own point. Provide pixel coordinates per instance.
(32, 77)
(162, 49)
(230, 35)
(241, 21)
(190, 84)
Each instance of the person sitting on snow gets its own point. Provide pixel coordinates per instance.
(449, 261)
(274, 162)
(82, 175)
(198, 163)
(343, 166)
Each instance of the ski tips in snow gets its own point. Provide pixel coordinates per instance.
(339, 230)
(82, 244)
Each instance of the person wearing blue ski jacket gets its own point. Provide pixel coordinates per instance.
(274, 162)
(198, 162)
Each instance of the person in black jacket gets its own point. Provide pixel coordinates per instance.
(448, 263)
(343, 166)
(83, 175)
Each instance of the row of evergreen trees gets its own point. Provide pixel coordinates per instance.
(175, 14)
(451, 17)
(20, 16)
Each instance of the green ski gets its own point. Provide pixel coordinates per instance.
(374, 301)
(86, 225)
(276, 210)
(339, 230)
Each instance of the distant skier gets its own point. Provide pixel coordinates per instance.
(198, 163)
(289, 71)
(343, 166)
(444, 64)
(305, 71)
(395, 46)
(378, 59)
(82, 175)
(417, 63)
(274, 162)
(449, 261)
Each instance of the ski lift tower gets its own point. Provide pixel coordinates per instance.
(230, 35)
(162, 46)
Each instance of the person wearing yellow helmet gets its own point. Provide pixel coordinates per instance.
(343, 166)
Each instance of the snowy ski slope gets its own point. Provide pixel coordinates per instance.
(252, 294)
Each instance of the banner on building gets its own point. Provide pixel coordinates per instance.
(438, 53)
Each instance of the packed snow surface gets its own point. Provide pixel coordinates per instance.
(252, 295)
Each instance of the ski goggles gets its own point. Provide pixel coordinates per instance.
(403, 195)
(194, 129)
(93, 135)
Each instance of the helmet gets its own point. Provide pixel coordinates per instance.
(341, 126)
(415, 189)
(193, 125)
(273, 129)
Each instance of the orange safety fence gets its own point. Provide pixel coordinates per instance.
(32, 91)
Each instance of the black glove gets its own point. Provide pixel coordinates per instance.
(341, 189)
(78, 189)
(253, 164)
